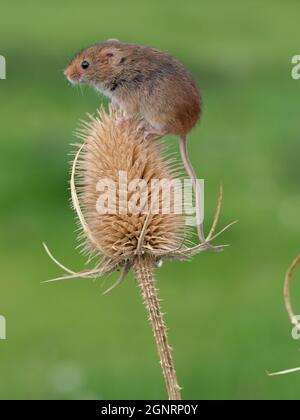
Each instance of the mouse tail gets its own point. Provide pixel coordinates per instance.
(199, 199)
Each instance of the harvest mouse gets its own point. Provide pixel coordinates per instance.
(146, 81)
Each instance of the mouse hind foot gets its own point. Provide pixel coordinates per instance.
(150, 131)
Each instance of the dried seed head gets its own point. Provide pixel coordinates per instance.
(134, 226)
(135, 219)
(119, 171)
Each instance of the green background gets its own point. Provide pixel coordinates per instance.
(225, 311)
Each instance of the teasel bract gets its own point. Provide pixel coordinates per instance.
(115, 153)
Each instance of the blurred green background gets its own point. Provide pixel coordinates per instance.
(225, 311)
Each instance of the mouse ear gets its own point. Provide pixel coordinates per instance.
(113, 55)
(110, 56)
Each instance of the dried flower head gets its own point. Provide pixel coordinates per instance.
(132, 229)
(113, 149)
(116, 154)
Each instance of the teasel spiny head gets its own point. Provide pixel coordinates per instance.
(131, 222)
(118, 182)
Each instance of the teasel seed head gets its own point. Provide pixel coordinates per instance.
(115, 150)
(133, 230)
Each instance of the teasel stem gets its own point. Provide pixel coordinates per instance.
(143, 268)
(288, 303)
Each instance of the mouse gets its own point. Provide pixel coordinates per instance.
(146, 81)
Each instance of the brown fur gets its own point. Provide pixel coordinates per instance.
(141, 80)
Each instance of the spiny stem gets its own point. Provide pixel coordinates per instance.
(144, 274)
(288, 303)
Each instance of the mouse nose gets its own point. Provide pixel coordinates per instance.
(73, 76)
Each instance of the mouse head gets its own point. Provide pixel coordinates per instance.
(97, 65)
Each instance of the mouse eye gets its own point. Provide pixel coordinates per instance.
(85, 65)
